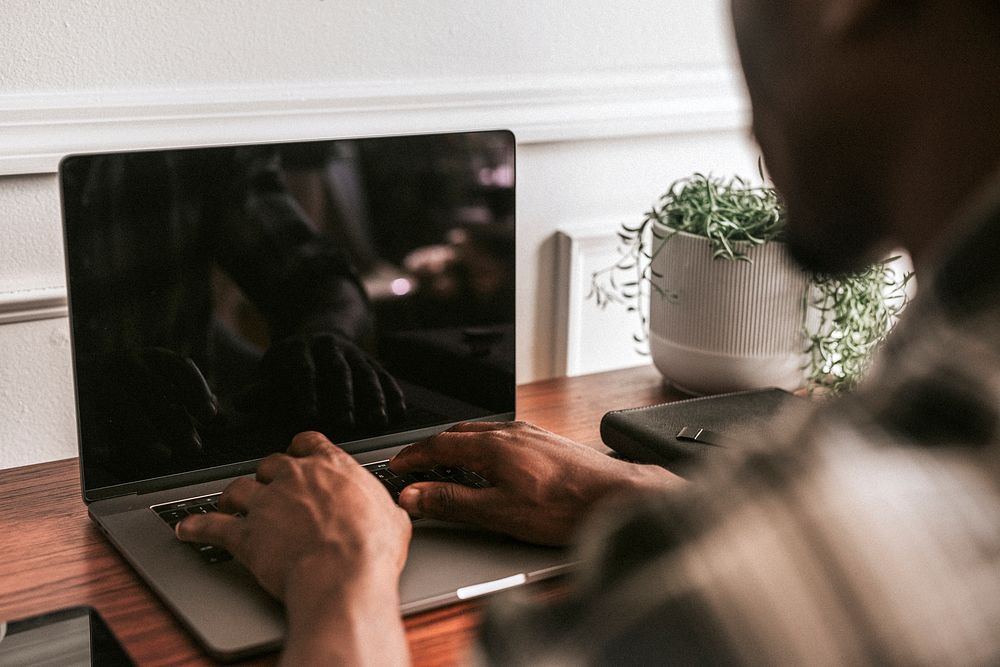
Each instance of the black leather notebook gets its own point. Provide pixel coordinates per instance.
(682, 434)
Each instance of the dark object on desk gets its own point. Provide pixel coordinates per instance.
(74, 637)
(682, 434)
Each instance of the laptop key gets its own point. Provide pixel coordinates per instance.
(173, 517)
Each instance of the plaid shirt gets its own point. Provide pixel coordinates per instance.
(865, 532)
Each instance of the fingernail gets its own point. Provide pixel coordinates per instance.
(409, 500)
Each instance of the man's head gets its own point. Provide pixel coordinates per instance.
(866, 111)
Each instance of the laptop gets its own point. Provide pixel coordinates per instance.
(224, 298)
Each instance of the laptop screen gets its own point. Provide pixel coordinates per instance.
(223, 299)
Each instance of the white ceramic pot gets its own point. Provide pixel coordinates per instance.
(727, 325)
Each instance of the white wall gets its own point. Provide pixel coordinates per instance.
(610, 102)
(66, 45)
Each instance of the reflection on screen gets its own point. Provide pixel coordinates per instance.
(224, 299)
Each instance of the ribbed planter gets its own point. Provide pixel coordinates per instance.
(727, 325)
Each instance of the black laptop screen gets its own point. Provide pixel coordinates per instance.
(223, 299)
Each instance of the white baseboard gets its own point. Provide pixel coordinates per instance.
(40, 129)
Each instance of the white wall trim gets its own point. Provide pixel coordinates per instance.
(33, 304)
(580, 249)
(38, 129)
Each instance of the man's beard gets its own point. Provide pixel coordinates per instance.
(836, 232)
(834, 256)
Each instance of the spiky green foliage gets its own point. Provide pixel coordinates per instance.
(854, 313)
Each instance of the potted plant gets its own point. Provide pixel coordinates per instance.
(723, 307)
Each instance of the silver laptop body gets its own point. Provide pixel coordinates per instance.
(137, 226)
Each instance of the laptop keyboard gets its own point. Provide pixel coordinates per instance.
(172, 513)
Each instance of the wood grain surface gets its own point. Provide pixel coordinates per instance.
(52, 556)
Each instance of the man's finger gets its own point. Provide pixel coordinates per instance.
(449, 502)
(273, 467)
(308, 443)
(238, 495)
(222, 530)
(450, 448)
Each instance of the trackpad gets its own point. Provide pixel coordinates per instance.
(448, 562)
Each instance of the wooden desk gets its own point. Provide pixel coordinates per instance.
(52, 556)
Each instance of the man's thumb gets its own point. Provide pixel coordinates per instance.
(441, 500)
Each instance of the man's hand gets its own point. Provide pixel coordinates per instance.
(314, 504)
(320, 533)
(543, 484)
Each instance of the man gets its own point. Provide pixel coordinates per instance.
(867, 532)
